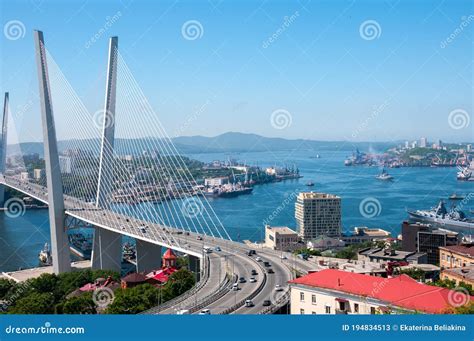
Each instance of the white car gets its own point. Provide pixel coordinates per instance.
(282, 257)
(252, 280)
(249, 303)
(258, 259)
(278, 287)
(205, 312)
(235, 287)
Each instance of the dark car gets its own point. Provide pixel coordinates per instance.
(267, 264)
(254, 272)
(266, 303)
(270, 271)
(242, 280)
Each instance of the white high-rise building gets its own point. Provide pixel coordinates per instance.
(317, 214)
(65, 164)
(423, 142)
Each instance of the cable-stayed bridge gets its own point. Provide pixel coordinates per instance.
(141, 188)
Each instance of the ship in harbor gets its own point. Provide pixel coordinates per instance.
(227, 191)
(384, 176)
(358, 158)
(467, 173)
(454, 219)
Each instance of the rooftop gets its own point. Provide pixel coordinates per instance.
(364, 230)
(134, 278)
(401, 291)
(465, 250)
(281, 229)
(466, 272)
(315, 195)
(387, 254)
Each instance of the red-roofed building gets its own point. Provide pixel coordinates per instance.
(169, 259)
(339, 292)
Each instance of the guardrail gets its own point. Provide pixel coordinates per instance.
(175, 301)
(278, 304)
(223, 289)
(251, 296)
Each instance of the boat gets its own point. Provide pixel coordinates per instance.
(384, 176)
(310, 184)
(317, 156)
(439, 216)
(45, 256)
(454, 196)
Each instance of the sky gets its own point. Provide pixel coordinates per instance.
(323, 70)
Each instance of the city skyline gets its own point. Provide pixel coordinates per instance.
(289, 73)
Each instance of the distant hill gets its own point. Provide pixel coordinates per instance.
(227, 142)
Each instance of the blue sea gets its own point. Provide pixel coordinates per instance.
(385, 202)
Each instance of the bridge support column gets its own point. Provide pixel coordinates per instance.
(3, 149)
(59, 241)
(108, 129)
(194, 265)
(107, 250)
(148, 256)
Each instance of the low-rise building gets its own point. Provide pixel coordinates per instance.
(281, 238)
(216, 182)
(324, 243)
(456, 256)
(340, 292)
(422, 238)
(364, 234)
(381, 255)
(464, 274)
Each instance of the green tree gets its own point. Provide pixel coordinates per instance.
(79, 305)
(34, 303)
(5, 286)
(178, 283)
(134, 300)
